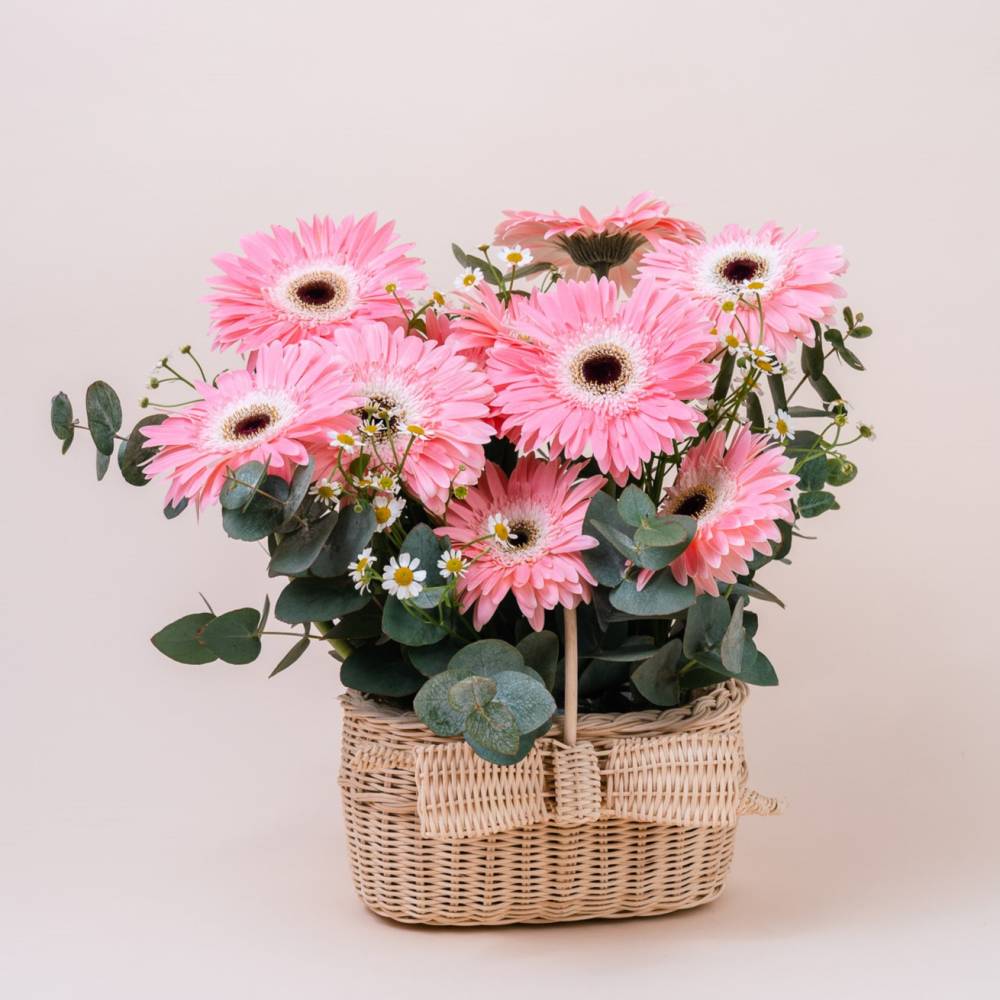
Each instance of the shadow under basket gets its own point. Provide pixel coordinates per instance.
(637, 817)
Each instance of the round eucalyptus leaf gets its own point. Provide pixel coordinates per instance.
(135, 452)
(261, 516)
(241, 484)
(104, 415)
(233, 636)
(540, 651)
(379, 670)
(352, 533)
(406, 628)
(488, 657)
(296, 552)
(634, 507)
(492, 729)
(183, 640)
(528, 699)
(661, 596)
(656, 678)
(61, 418)
(471, 693)
(434, 708)
(309, 599)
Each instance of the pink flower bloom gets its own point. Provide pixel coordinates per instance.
(481, 319)
(420, 391)
(736, 494)
(278, 413)
(542, 505)
(576, 243)
(308, 285)
(795, 281)
(602, 378)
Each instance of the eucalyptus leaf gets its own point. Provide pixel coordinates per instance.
(731, 647)
(233, 637)
(636, 648)
(421, 543)
(605, 561)
(61, 418)
(241, 485)
(540, 651)
(817, 502)
(135, 452)
(634, 507)
(619, 540)
(433, 660)
(104, 415)
(751, 588)
(528, 699)
(297, 490)
(261, 516)
(309, 599)
(471, 693)
(661, 596)
(492, 729)
(434, 708)
(351, 534)
(296, 552)
(489, 657)
(291, 656)
(380, 670)
(173, 510)
(706, 623)
(183, 640)
(102, 462)
(656, 677)
(406, 628)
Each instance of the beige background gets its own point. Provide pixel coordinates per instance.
(174, 831)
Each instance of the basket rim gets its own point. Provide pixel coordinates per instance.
(711, 703)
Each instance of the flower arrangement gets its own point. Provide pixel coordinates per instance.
(598, 435)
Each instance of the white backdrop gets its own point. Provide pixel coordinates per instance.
(175, 831)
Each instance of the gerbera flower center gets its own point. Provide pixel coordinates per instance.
(523, 534)
(742, 268)
(320, 292)
(694, 502)
(600, 251)
(380, 416)
(602, 369)
(249, 422)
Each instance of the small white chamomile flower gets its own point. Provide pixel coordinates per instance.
(387, 511)
(347, 441)
(767, 361)
(452, 563)
(327, 491)
(372, 427)
(779, 424)
(404, 578)
(386, 482)
(361, 570)
(418, 430)
(515, 256)
(469, 278)
(498, 527)
(734, 344)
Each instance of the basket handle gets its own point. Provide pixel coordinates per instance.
(571, 682)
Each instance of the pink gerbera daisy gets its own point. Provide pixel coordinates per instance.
(795, 281)
(278, 413)
(736, 494)
(422, 396)
(481, 319)
(602, 378)
(523, 535)
(308, 285)
(580, 245)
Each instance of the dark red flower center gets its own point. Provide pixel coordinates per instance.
(252, 425)
(602, 369)
(318, 292)
(741, 269)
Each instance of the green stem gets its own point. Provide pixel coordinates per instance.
(341, 647)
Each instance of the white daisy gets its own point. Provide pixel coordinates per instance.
(498, 527)
(347, 441)
(515, 256)
(387, 511)
(404, 578)
(780, 426)
(767, 361)
(452, 563)
(386, 482)
(361, 570)
(327, 491)
(469, 278)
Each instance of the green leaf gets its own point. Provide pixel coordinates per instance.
(850, 359)
(261, 516)
(663, 595)
(803, 412)
(104, 415)
(669, 534)
(724, 378)
(308, 599)
(365, 623)
(636, 648)
(528, 699)
(350, 535)
(406, 628)
(825, 389)
(861, 332)
(491, 730)
(781, 548)
(379, 670)
(656, 678)
(433, 660)
(812, 473)
(755, 413)
(634, 507)
(751, 588)
(297, 490)
(812, 357)
(298, 551)
(102, 463)
(489, 657)
(540, 651)
(731, 647)
(471, 693)
(233, 636)
(265, 613)
(61, 418)
(817, 502)
(291, 656)
(460, 255)
(618, 539)
(706, 623)
(604, 561)
(776, 384)
(433, 707)
(135, 452)
(183, 640)
(429, 597)
(241, 485)
(761, 672)
(600, 676)
(173, 510)
(839, 471)
(805, 441)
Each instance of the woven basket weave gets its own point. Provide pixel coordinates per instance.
(636, 818)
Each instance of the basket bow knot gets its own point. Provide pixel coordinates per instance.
(692, 779)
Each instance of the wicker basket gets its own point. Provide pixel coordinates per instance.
(631, 815)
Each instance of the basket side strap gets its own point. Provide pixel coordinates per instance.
(686, 779)
(461, 796)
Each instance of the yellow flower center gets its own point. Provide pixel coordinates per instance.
(501, 531)
(468, 279)
(382, 514)
(728, 306)
(345, 439)
(781, 427)
(326, 492)
(755, 286)
(416, 430)
(732, 340)
(403, 575)
(438, 298)
(514, 257)
(363, 564)
(454, 564)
